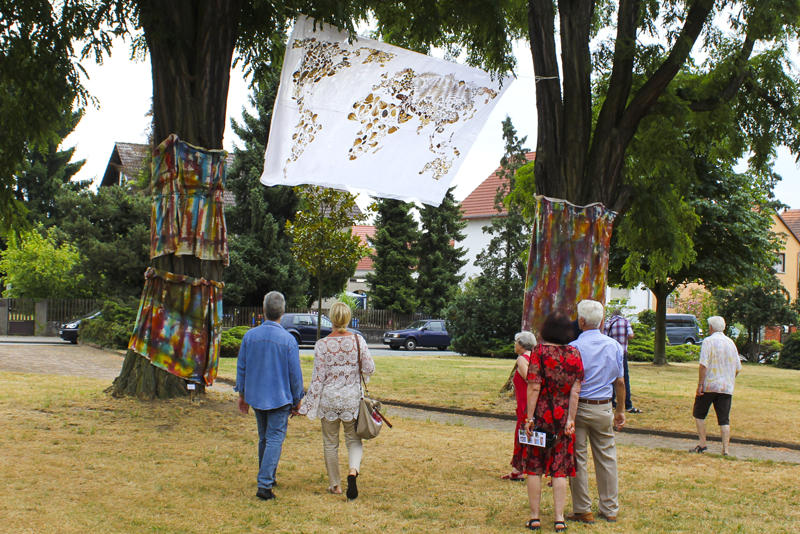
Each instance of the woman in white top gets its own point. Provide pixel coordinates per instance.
(335, 394)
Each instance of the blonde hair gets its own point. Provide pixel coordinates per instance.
(340, 316)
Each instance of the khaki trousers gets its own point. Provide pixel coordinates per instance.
(330, 447)
(595, 422)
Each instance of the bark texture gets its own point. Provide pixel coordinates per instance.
(191, 45)
(661, 292)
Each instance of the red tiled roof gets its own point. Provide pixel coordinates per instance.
(791, 218)
(480, 203)
(364, 231)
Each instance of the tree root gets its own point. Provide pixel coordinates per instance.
(139, 378)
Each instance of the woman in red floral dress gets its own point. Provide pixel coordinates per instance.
(554, 383)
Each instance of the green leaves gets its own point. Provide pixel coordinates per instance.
(36, 266)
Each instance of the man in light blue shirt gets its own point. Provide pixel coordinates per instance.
(269, 378)
(602, 374)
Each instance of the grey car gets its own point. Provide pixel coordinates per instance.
(683, 329)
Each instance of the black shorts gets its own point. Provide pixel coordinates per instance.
(722, 405)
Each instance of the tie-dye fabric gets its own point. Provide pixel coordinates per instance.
(568, 260)
(188, 216)
(179, 325)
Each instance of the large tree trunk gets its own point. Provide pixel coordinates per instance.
(661, 292)
(191, 45)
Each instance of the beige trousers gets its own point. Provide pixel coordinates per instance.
(330, 448)
(595, 422)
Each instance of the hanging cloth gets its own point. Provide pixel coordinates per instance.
(568, 259)
(188, 216)
(179, 325)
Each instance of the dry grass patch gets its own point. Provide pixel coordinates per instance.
(764, 404)
(73, 460)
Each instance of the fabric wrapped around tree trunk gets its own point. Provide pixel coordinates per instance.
(179, 325)
(568, 259)
(188, 187)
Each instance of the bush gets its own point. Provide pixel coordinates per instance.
(647, 318)
(231, 340)
(790, 353)
(112, 329)
(641, 347)
(769, 350)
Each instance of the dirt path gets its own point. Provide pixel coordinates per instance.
(76, 360)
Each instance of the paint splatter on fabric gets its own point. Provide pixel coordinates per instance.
(188, 215)
(568, 259)
(179, 325)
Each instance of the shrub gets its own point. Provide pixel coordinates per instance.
(769, 350)
(231, 340)
(647, 318)
(641, 347)
(112, 329)
(790, 353)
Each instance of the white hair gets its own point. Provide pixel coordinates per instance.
(716, 323)
(591, 311)
(274, 305)
(526, 340)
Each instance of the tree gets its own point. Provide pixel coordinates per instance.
(756, 305)
(440, 259)
(261, 259)
(394, 256)
(45, 173)
(36, 266)
(111, 228)
(721, 235)
(322, 242)
(484, 317)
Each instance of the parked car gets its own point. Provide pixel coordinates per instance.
(69, 331)
(427, 333)
(303, 326)
(683, 329)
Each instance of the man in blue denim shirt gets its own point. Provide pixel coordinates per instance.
(269, 378)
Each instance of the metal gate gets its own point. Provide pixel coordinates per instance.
(21, 317)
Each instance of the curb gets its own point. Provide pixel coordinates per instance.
(625, 430)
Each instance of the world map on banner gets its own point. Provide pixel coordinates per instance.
(373, 117)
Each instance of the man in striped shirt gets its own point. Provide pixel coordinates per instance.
(619, 329)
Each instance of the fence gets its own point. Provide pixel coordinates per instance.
(363, 319)
(65, 310)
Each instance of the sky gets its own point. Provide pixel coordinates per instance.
(123, 89)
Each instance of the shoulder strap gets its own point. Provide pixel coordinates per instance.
(364, 391)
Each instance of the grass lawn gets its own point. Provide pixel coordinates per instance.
(73, 460)
(765, 403)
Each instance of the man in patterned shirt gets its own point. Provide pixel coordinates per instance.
(619, 329)
(719, 366)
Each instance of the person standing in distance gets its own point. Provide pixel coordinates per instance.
(269, 378)
(619, 329)
(595, 420)
(719, 366)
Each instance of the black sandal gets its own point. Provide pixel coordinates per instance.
(530, 524)
(352, 487)
(562, 524)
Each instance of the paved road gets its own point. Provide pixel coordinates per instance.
(383, 350)
(77, 360)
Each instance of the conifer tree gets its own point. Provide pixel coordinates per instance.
(440, 259)
(392, 285)
(261, 260)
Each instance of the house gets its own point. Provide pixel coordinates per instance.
(358, 283)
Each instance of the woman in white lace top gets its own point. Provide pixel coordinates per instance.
(335, 394)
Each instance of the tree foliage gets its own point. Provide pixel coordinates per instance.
(394, 256)
(790, 353)
(440, 257)
(484, 317)
(322, 240)
(261, 259)
(111, 228)
(35, 266)
(756, 305)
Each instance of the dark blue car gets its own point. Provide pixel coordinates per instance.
(427, 333)
(303, 326)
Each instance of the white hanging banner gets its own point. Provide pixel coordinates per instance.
(373, 117)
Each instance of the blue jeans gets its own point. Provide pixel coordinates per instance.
(628, 403)
(271, 433)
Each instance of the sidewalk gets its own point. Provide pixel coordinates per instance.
(71, 360)
(38, 340)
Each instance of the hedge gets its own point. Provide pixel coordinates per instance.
(231, 340)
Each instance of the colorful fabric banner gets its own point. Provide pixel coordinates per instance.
(374, 117)
(179, 325)
(188, 212)
(568, 260)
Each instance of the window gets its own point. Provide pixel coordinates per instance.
(303, 320)
(671, 298)
(435, 326)
(780, 264)
(326, 323)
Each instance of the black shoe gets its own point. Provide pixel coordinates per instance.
(699, 449)
(265, 494)
(352, 487)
